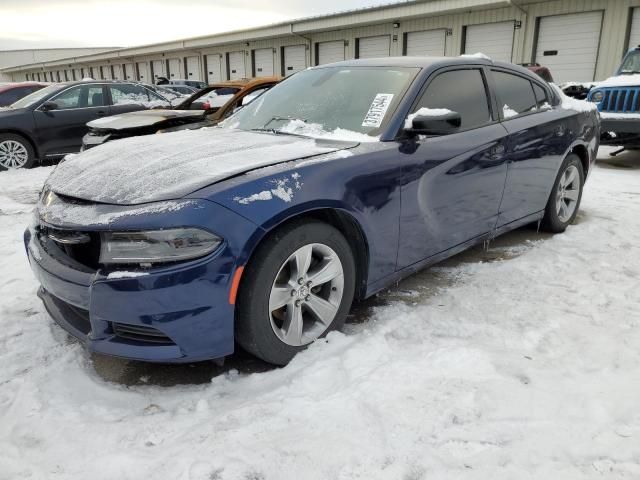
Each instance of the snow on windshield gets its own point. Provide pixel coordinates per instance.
(315, 130)
(139, 99)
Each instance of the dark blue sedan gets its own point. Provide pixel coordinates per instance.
(332, 186)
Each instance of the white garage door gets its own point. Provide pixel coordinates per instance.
(129, 73)
(430, 43)
(214, 68)
(158, 69)
(236, 65)
(330, 52)
(175, 68)
(568, 45)
(493, 39)
(106, 72)
(295, 59)
(634, 37)
(143, 72)
(117, 72)
(374, 47)
(193, 68)
(263, 62)
(78, 74)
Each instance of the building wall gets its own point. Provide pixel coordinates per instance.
(394, 21)
(12, 58)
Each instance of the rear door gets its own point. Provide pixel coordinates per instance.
(454, 183)
(129, 97)
(61, 130)
(537, 142)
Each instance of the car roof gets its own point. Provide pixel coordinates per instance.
(9, 86)
(431, 63)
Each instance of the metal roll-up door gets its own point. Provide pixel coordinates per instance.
(263, 62)
(106, 72)
(330, 52)
(236, 65)
(193, 68)
(175, 68)
(295, 59)
(373, 47)
(568, 45)
(214, 68)
(78, 74)
(129, 72)
(428, 43)
(158, 69)
(634, 35)
(492, 39)
(117, 72)
(143, 72)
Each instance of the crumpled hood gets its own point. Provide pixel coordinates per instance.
(143, 118)
(164, 167)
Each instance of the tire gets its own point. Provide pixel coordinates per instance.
(566, 196)
(267, 330)
(15, 152)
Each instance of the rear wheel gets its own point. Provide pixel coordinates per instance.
(298, 287)
(564, 202)
(15, 152)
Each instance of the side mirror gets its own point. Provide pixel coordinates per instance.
(48, 106)
(437, 123)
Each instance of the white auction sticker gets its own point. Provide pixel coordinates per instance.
(378, 110)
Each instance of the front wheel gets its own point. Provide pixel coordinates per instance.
(15, 152)
(298, 287)
(564, 201)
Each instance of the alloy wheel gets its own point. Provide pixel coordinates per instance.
(13, 154)
(568, 193)
(306, 294)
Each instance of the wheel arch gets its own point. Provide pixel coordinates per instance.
(583, 154)
(345, 223)
(24, 135)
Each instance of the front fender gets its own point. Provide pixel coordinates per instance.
(366, 187)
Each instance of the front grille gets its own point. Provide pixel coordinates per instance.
(141, 334)
(621, 100)
(86, 253)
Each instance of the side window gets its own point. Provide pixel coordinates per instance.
(461, 91)
(68, 99)
(515, 94)
(95, 96)
(542, 101)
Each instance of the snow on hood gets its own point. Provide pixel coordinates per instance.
(142, 118)
(163, 167)
(620, 81)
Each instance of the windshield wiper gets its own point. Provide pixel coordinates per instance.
(277, 118)
(277, 132)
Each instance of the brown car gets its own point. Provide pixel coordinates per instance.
(205, 108)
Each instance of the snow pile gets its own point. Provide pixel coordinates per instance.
(426, 112)
(569, 103)
(509, 112)
(282, 188)
(316, 130)
(516, 369)
(168, 166)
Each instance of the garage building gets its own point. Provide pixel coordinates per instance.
(579, 40)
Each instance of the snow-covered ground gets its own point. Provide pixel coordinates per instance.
(521, 362)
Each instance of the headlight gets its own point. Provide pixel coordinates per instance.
(597, 97)
(157, 246)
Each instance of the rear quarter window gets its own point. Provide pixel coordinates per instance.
(515, 94)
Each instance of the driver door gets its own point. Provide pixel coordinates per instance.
(61, 129)
(453, 183)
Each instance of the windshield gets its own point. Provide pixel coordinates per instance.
(350, 103)
(631, 64)
(37, 96)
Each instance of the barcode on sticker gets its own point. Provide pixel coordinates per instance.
(378, 110)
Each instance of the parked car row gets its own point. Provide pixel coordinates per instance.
(52, 121)
(332, 185)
